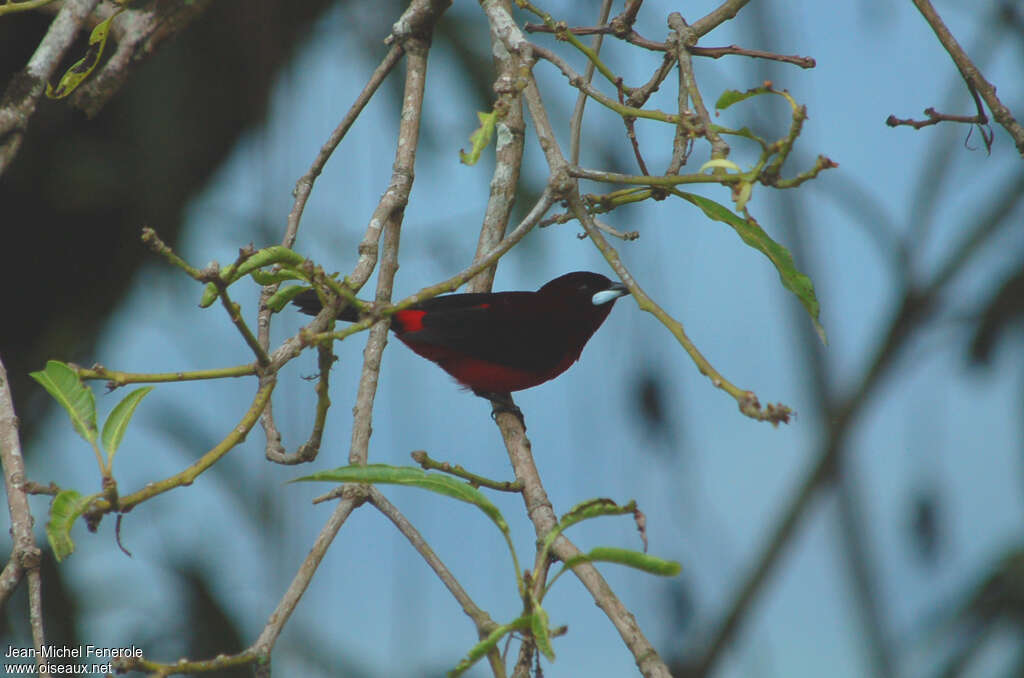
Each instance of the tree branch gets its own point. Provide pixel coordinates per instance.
(976, 82)
(19, 101)
(482, 620)
(25, 555)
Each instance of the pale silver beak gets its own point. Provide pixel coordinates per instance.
(611, 294)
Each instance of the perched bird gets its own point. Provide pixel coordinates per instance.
(495, 343)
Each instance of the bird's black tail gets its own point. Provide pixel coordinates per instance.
(310, 304)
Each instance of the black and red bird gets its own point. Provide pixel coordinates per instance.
(495, 343)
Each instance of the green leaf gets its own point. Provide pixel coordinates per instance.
(752, 234)
(275, 277)
(117, 422)
(485, 645)
(539, 628)
(284, 295)
(77, 399)
(81, 69)
(592, 508)
(413, 477)
(732, 96)
(480, 139)
(64, 511)
(210, 294)
(720, 163)
(268, 256)
(743, 196)
(630, 558)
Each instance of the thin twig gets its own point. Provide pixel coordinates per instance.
(25, 555)
(718, 52)
(353, 498)
(577, 81)
(188, 475)
(971, 75)
(22, 96)
(304, 186)
(275, 450)
(391, 210)
(508, 158)
(630, 123)
(483, 622)
(686, 37)
(429, 464)
(712, 52)
(724, 12)
(576, 122)
(116, 379)
(934, 118)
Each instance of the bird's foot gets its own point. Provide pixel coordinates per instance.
(502, 402)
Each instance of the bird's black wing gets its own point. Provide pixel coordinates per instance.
(503, 328)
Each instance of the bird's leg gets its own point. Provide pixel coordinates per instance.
(502, 402)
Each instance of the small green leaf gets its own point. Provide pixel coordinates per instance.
(732, 96)
(210, 294)
(630, 558)
(539, 628)
(485, 645)
(64, 511)
(77, 399)
(480, 139)
(592, 508)
(81, 69)
(117, 422)
(414, 477)
(284, 295)
(275, 277)
(752, 234)
(268, 256)
(742, 197)
(721, 163)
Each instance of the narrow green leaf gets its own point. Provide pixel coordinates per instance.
(284, 295)
(630, 558)
(592, 508)
(485, 645)
(752, 234)
(732, 96)
(539, 628)
(720, 163)
(210, 294)
(743, 197)
(480, 139)
(413, 477)
(117, 422)
(268, 256)
(64, 511)
(81, 69)
(275, 277)
(77, 399)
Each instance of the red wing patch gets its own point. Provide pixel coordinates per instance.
(410, 320)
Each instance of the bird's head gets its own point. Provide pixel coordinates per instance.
(583, 289)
